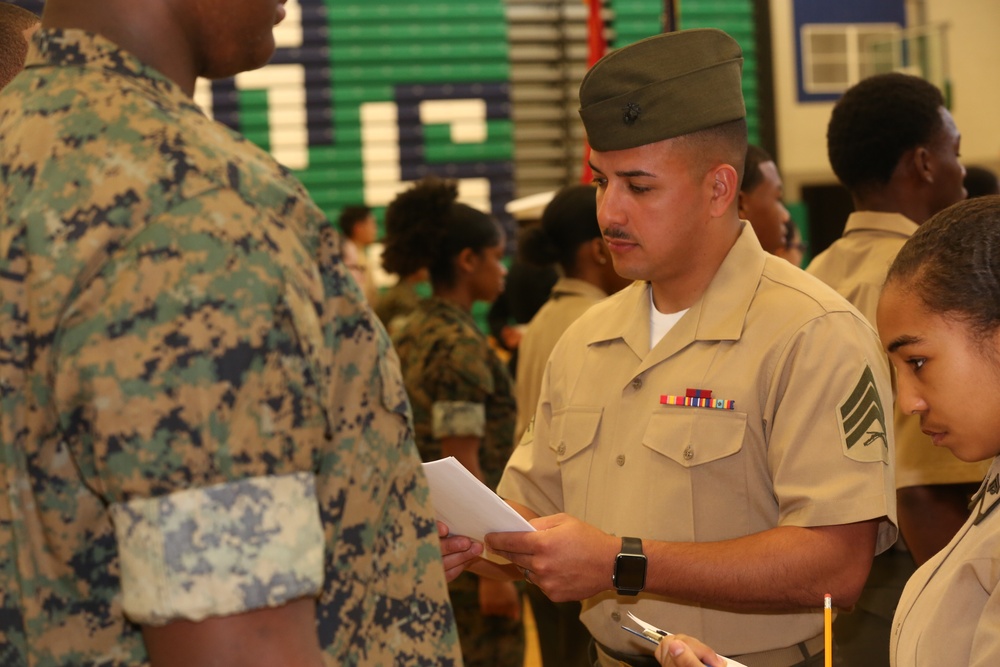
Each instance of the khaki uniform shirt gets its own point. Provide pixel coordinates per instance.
(199, 416)
(949, 613)
(569, 299)
(855, 265)
(807, 442)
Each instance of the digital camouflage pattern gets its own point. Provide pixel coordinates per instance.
(271, 521)
(395, 304)
(175, 330)
(451, 372)
(459, 387)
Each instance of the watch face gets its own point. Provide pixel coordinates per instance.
(630, 572)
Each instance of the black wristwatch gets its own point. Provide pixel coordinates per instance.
(630, 567)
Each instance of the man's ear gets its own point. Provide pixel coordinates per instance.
(725, 188)
(922, 163)
(597, 250)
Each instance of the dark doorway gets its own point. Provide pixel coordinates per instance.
(828, 207)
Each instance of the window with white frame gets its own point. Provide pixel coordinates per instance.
(836, 56)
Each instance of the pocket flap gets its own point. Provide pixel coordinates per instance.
(694, 436)
(575, 430)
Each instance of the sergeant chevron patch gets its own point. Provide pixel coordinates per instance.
(862, 422)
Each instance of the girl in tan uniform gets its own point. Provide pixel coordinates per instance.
(939, 320)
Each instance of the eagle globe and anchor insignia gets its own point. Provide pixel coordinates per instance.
(631, 113)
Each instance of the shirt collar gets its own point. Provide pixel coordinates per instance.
(57, 47)
(988, 497)
(890, 223)
(719, 314)
(446, 308)
(577, 287)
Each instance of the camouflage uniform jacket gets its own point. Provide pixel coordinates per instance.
(395, 304)
(199, 414)
(457, 384)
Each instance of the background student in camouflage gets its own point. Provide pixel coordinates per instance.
(205, 441)
(463, 401)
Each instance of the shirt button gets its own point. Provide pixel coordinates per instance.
(637, 384)
(615, 616)
(561, 450)
(689, 453)
(620, 460)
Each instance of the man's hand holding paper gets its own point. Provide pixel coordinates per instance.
(467, 511)
(567, 558)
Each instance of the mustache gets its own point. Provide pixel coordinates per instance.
(616, 233)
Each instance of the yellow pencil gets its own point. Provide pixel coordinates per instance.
(828, 630)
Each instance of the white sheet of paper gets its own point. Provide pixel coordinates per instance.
(649, 626)
(466, 505)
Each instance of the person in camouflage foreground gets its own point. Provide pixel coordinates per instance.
(205, 441)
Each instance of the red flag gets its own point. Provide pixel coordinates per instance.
(597, 46)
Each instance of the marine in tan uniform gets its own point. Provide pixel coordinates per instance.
(727, 410)
(895, 147)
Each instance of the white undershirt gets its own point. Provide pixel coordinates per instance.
(660, 323)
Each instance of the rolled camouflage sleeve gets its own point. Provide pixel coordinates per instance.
(220, 550)
(187, 394)
(457, 419)
(458, 384)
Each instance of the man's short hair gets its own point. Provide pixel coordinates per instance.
(350, 217)
(752, 176)
(13, 47)
(876, 122)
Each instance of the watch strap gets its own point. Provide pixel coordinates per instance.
(632, 546)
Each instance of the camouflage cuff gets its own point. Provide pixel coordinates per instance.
(456, 419)
(220, 550)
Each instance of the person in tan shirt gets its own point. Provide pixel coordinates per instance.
(711, 448)
(569, 235)
(939, 320)
(895, 147)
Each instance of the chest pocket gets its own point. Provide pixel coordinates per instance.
(692, 437)
(698, 459)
